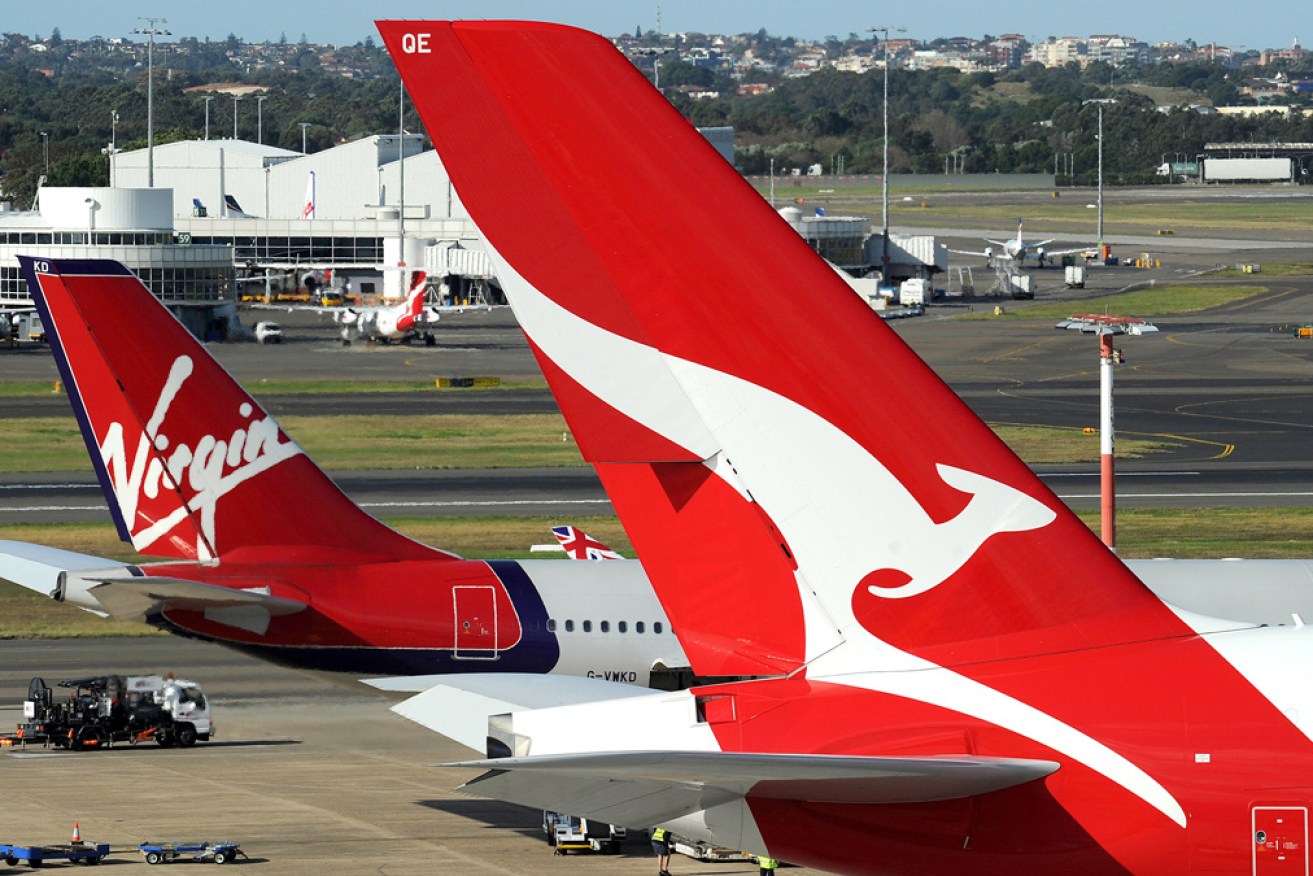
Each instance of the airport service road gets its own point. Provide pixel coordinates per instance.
(312, 775)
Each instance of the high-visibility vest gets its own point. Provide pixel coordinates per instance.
(659, 835)
(766, 863)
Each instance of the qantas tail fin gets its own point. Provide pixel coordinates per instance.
(414, 306)
(792, 475)
(191, 465)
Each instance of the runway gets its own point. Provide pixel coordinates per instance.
(1229, 393)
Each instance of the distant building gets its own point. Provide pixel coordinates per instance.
(133, 226)
(1060, 51)
(1116, 50)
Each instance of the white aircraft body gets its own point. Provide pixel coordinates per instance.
(1016, 250)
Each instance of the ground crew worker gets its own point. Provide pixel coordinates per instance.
(768, 865)
(661, 848)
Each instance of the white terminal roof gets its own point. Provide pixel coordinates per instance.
(350, 181)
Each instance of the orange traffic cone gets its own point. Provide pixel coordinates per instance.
(77, 833)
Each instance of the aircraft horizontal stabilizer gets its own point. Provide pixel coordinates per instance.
(106, 587)
(38, 567)
(655, 787)
(135, 597)
(458, 706)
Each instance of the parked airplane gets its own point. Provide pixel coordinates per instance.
(263, 552)
(579, 545)
(1016, 250)
(398, 322)
(1262, 592)
(952, 675)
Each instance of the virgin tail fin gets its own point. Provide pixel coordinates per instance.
(191, 465)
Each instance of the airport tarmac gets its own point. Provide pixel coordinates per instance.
(312, 774)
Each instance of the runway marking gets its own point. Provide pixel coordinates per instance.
(21, 509)
(25, 508)
(49, 486)
(484, 504)
(1299, 494)
(1123, 474)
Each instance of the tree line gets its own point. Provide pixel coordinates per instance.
(1034, 119)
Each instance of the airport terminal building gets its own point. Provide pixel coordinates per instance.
(134, 226)
(341, 207)
(219, 210)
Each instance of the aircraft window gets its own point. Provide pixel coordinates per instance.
(605, 626)
(551, 625)
(638, 626)
(656, 627)
(621, 627)
(569, 626)
(588, 626)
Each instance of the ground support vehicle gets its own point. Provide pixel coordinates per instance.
(268, 333)
(704, 851)
(570, 833)
(164, 853)
(106, 709)
(36, 856)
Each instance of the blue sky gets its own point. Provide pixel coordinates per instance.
(1263, 24)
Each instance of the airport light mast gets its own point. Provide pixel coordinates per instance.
(884, 170)
(151, 31)
(1106, 327)
(1100, 101)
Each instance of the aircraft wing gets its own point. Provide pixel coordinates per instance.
(654, 787)
(458, 705)
(311, 308)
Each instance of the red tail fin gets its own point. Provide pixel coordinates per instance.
(791, 474)
(191, 465)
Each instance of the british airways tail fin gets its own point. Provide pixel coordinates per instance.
(579, 545)
(792, 475)
(192, 467)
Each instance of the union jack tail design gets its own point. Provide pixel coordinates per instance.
(579, 545)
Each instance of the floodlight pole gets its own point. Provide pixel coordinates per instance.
(884, 170)
(1100, 101)
(151, 31)
(1100, 180)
